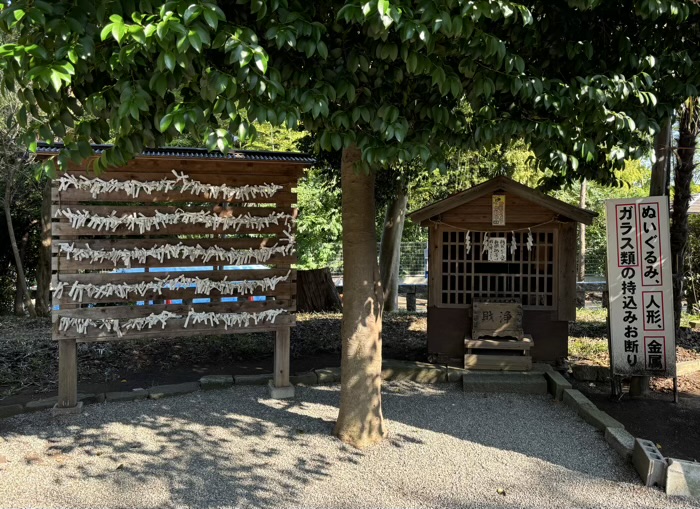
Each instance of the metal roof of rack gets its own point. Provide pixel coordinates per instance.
(197, 153)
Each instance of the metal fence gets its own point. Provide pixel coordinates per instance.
(413, 261)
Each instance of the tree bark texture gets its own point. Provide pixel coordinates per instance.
(582, 234)
(43, 278)
(21, 279)
(390, 249)
(316, 292)
(687, 139)
(19, 296)
(661, 168)
(360, 421)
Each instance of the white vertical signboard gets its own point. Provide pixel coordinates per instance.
(642, 334)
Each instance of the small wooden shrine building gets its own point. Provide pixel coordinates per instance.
(501, 240)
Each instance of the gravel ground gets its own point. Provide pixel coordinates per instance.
(236, 448)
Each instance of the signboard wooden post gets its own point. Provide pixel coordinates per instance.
(642, 334)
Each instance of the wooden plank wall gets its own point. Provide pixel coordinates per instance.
(112, 315)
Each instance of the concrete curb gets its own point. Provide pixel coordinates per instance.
(683, 478)
(556, 384)
(392, 370)
(621, 441)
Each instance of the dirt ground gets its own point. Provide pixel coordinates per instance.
(674, 427)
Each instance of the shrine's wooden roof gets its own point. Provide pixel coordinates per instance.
(503, 184)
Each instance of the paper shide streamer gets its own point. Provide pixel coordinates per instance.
(182, 182)
(202, 286)
(83, 218)
(148, 322)
(177, 252)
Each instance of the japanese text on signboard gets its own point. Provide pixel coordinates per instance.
(641, 320)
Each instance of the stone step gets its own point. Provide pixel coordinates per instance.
(507, 382)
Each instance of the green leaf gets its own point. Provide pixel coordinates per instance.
(211, 19)
(165, 122)
(191, 13)
(106, 32)
(195, 40)
(350, 93)
(56, 80)
(170, 61)
(261, 61)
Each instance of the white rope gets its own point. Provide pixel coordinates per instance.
(201, 286)
(177, 251)
(232, 319)
(182, 182)
(211, 318)
(114, 325)
(81, 219)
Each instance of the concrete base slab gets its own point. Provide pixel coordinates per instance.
(683, 478)
(507, 382)
(649, 463)
(280, 392)
(621, 441)
(57, 411)
(455, 374)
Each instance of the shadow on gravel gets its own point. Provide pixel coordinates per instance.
(224, 454)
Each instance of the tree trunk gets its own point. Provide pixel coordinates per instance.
(43, 278)
(360, 421)
(582, 235)
(316, 292)
(660, 169)
(390, 249)
(687, 135)
(19, 300)
(21, 279)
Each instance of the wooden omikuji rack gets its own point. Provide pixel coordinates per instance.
(180, 242)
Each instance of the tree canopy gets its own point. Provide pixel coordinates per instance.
(581, 80)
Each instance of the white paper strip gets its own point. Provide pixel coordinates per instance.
(177, 251)
(201, 286)
(83, 218)
(120, 327)
(182, 182)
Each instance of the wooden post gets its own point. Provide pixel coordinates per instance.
(67, 373)
(281, 378)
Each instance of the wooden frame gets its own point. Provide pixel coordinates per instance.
(472, 287)
(109, 281)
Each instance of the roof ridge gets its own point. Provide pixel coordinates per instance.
(195, 152)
